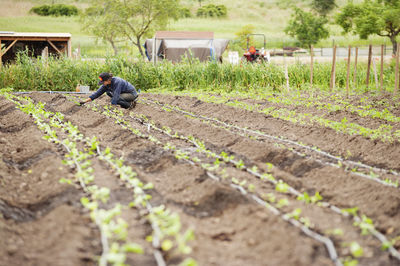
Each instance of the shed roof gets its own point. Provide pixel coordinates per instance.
(185, 35)
(34, 36)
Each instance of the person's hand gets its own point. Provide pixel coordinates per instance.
(82, 103)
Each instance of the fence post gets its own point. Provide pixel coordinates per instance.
(287, 77)
(381, 74)
(312, 65)
(348, 72)
(369, 64)
(333, 72)
(396, 78)
(45, 55)
(355, 68)
(375, 73)
(1, 55)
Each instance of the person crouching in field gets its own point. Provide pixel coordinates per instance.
(121, 91)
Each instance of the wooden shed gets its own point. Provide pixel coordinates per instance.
(35, 42)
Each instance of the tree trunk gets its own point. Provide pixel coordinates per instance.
(115, 48)
(139, 46)
(394, 43)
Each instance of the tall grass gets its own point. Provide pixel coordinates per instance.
(64, 74)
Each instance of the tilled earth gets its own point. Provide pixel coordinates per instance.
(43, 222)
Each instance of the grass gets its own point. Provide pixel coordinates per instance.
(269, 17)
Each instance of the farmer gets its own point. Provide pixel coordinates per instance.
(121, 91)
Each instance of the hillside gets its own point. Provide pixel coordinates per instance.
(269, 17)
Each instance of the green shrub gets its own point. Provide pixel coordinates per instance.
(64, 74)
(55, 10)
(212, 11)
(184, 12)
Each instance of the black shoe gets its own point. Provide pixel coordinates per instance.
(132, 106)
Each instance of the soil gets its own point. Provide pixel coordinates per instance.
(44, 223)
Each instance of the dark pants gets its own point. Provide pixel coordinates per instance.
(125, 99)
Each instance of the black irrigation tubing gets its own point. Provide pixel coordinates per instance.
(318, 237)
(156, 241)
(314, 235)
(51, 92)
(103, 237)
(156, 238)
(280, 139)
(382, 238)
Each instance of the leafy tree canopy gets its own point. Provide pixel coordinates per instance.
(323, 7)
(307, 28)
(380, 17)
(130, 20)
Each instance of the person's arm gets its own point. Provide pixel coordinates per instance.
(95, 95)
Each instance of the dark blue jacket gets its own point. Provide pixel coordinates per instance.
(117, 86)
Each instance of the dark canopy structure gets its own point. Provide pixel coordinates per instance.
(175, 45)
(34, 42)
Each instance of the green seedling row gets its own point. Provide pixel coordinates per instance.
(111, 226)
(383, 133)
(182, 155)
(111, 229)
(280, 186)
(166, 225)
(252, 134)
(322, 101)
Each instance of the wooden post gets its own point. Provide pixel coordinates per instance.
(375, 73)
(312, 65)
(396, 78)
(355, 68)
(1, 55)
(69, 48)
(45, 55)
(287, 77)
(381, 76)
(348, 72)
(369, 64)
(333, 72)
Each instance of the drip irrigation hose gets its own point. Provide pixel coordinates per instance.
(338, 159)
(293, 191)
(156, 238)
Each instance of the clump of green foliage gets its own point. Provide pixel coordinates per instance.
(55, 10)
(184, 12)
(64, 74)
(307, 28)
(212, 11)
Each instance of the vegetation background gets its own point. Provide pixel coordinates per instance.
(267, 16)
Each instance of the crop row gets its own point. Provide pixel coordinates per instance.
(300, 149)
(328, 103)
(383, 133)
(362, 221)
(113, 229)
(292, 217)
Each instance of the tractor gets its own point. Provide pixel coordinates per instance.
(255, 55)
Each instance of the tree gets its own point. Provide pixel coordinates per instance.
(307, 28)
(102, 24)
(380, 17)
(133, 20)
(241, 35)
(323, 7)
